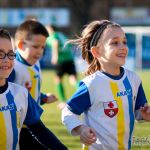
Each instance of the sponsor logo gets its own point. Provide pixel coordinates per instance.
(124, 93)
(36, 76)
(27, 84)
(7, 107)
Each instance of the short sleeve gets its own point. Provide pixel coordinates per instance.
(42, 98)
(34, 111)
(141, 98)
(80, 101)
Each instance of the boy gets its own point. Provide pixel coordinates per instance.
(17, 106)
(30, 40)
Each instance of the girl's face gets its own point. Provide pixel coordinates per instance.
(112, 49)
(6, 64)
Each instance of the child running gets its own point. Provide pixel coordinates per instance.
(30, 38)
(17, 107)
(110, 97)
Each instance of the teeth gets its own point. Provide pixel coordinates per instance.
(4, 67)
(121, 55)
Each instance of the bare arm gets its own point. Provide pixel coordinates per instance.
(55, 50)
(145, 112)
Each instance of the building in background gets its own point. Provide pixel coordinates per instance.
(71, 15)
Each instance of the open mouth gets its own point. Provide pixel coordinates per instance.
(4, 67)
(121, 55)
(37, 57)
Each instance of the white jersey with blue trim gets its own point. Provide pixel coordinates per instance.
(29, 77)
(108, 106)
(16, 106)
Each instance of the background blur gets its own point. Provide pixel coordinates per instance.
(71, 16)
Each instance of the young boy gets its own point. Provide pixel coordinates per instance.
(17, 106)
(30, 40)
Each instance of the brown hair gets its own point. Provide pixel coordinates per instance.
(29, 28)
(90, 37)
(5, 34)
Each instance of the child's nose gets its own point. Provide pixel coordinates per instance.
(5, 58)
(40, 50)
(122, 46)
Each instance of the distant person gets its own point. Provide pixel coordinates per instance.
(111, 97)
(63, 60)
(17, 107)
(30, 38)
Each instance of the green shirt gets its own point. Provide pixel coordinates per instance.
(64, 51)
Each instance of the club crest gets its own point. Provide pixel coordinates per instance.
(27, 84)
(110, 108)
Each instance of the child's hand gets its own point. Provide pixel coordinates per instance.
(61, 105)
(145, 112)
(87, 135)
(51, 98)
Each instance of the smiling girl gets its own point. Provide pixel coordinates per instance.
(110, 97)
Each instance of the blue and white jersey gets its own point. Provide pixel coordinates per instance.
(108, 106)
(16, 107)
(29, 77)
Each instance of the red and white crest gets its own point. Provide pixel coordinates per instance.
(27, 84)
(110, 108)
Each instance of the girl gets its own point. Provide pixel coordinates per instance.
(111, 97)
(18, 107)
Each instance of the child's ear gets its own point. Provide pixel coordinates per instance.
(95, 52)
(20, 45)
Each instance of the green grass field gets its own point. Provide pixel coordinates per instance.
(52, 115)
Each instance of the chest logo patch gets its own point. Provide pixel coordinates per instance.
(27, 84)
(110, 108)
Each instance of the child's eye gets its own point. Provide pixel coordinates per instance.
(125, 42)
(115, 43)
(35, 46)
